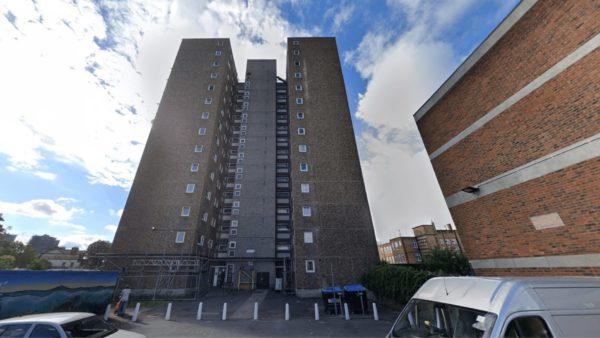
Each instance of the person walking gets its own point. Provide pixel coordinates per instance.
(123, 300)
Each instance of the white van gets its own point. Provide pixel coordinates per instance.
(502, 307)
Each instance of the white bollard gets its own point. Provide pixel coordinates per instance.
(346, 313)
(255, 311)
(375, 313)
(316, 311)
(168, 314)
(136, 312)
(287, 311)
(199, 314)
(107, 312)
(224, 317)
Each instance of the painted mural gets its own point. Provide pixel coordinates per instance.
(24, 292)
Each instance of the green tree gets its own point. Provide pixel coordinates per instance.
(447, 261)
(92, 260)
(39, 264)
(7, 262)
(24, 255)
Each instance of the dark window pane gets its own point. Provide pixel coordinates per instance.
(16, 330)
(44, 331)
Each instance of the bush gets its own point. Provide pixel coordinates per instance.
(398, 283)
(7, 262)
(39, 264)
(447, 261)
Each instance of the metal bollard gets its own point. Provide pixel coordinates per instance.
(287, 311)
(375, 313)
(346, 313)
(168, 314)
(199, 314)
(136, 312)
(316, 311)
(224, 317)
(255, 311)
(107, 312)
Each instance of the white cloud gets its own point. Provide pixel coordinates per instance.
(116, 213)
(111, 228)
(45, 175)
(402, 74)
(340, 15)
(56, 211)
(80, 240)
(81, 80)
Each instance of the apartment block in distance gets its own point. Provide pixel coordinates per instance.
(514, 139)
(244, 185)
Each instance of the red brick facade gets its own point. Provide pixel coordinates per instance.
(497, 223)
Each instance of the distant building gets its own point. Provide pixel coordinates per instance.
(514, 139)
(62, 258)
(410, 250)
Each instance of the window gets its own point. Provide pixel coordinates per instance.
(210, 243)
(233, 232)
(199, 148)
(185, 211)
(213, 75)
(237, 186)
(236, 204)
(195, 167)
(306, 212)
(235, 211)
(304, 167)
(310, 266)
(190, 188)
(237, 193)
(298, 87)
(205, 115)
(295, 42)
(205, 216)
(234, 223)
(528, 326)
(304, 188)
(299, 100)
(208, 195)
(301, 131)
(296, 52)
(208, 100)
(308, 237)
(239, 170)
(302, 148)
(215, 64)
(202, 131)
(219, 43)
(180, 237)
(298, 75)
(300, 116)
(201, 240)
(231, 253)
(215, 157)
(218, 53)
(232, 245)
(213, 222)
(212, 176)
(41, 331)
(14, 330)
(297, 63)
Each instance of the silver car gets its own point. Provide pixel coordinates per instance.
(61, 325)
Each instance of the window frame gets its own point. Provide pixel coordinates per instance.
(306, 265)
(186, 211)
(304, 188)
(188, 186)
(306, 211)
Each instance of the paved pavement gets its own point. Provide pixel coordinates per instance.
(239, 323)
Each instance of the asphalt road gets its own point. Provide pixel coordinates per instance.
(239, 323)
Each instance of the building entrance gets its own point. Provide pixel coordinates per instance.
(262, 280)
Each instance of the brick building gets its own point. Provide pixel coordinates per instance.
(411, 249)
(253, 184)
(514, 139)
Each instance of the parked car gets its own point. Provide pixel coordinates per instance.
(502, 307)
(61, 325)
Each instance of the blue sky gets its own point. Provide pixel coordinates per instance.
(81, 81)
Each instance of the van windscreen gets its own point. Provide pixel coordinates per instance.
(421, 318)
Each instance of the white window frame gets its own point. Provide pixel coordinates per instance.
(185, 211)
(213, 75)
(308, 237)
(195, 167)
(199, 148)
(180, 237)
(232, 245)
(299, 100)
(296, 52)
(311, 262)
(300, 115)
(301, 131)
(215, 64)
(306, 211)
(208, 100)
(202, 131)
(298, 87)
(205, 115)
(208, 195)
(213, 222)
(297, 75)
(235, 211)
(217, 53)
(305, 165)
(295, 43)
(302, 148)
(237, 186)
(190, 187)
(201, 242)
(233, 231)
(234, 223)
(211, 87)
(235, 204)
(205, 216)
(304, 188)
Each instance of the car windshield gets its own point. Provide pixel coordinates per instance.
(88, 327)
(421, 318)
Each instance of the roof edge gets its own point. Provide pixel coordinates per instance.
(512, 18)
